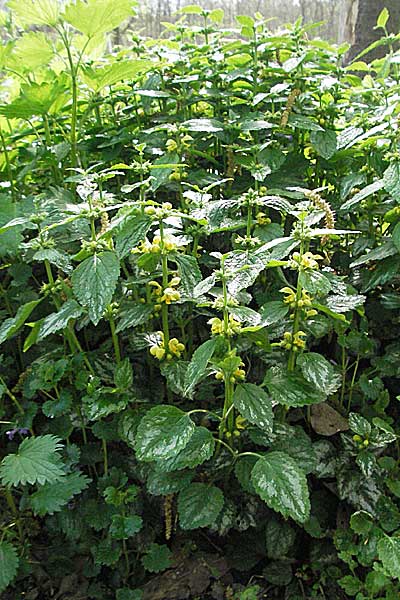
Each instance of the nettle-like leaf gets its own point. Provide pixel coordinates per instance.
(157, 558)
(254, 405)
(132, 230)
(389, 554)
(189, 272)
(92, 17)
(280, 538)
(162, 433)
(59, 320)
(199, 449)
(101, 77)
(9, 563)
(199, 505)
(35, 12)
(11, 326)
(198, 365)
(281, 483)
(94, 282)
(51, 497)
(317, 370)
(37, 461)
(291, 389)
(123, 527)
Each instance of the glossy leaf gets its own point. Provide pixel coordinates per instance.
(199, 505)
(254, 405)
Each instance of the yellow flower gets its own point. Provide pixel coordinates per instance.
(170, 295)
(176, 347)
(158, 352)
(216, 326)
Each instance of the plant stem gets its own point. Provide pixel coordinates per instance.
(115, 340)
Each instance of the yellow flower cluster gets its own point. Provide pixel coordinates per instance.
(307, 261)
(217, 326)
(175, 348)
(238, 374)
(240, 425)
(169, 294)
(155, 247)
(293, 342)
(262, 218)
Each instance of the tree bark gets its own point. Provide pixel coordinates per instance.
(364, 33)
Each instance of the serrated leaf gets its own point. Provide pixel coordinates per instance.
(9, 563)
(162, 433)
(325, 142)
(123, 376)
(279, 481)
(370, 189)
(291, 389)
(391, 179)
(341, 304)
(94, 282)
(203, 125)
(100, 77)
(199, 449)
(132, 231)
(59, 320)
(157, 558)
(389, 554)
(189, 272)
(51, 497)
(92, 17)
(33, 50)
(273, 312)
(132, 316)
(318, 371)
(199, 505)
(162, 484)
(11, 326)
(198, 365)
(254, 405)
(37, 461)
(123, 527)
(279, 537)
(34, 12)
(314, 282)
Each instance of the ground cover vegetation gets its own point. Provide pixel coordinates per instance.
(199, 297)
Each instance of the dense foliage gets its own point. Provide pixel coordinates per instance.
(199, 244)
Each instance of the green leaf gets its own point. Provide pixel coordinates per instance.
(36, 99)
(318, 371)
(280, 538)
(100, 77)
(291, 389)
(199, 449)
(11, 326)
(314, 282)
(37, 461)
(162, 433)
(128, 594)
(199, 505)
(123, 527)
(282, 485)
(382, 18)
(216, 15)
(342, 304)
(198, 365)
(161, 484)
(389, 554)
(391, 179)
(203, 125)
(34, 12)
(51, 497)
(92, 17)
(123, 376)
(359, 425)
(94, 282)
(254, 405)
(370, 189)
(59, 320)
(351, 584)
(157, 558)
(324, 142)
(132, 316)
(33, 50)
(9, 563)
(273, 312)
(396, 236)
(361, 522)
(189, 272)
(191, 9)
(132, 231)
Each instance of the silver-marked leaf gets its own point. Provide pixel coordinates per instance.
(198, 365)
(317, 370)
(254, 405)
(280, 482)
(199, 449)
(291, 389)
(162, 433)
(132, 230)
(389, 554)
(59, 320)
(199, 505)
(370, 189)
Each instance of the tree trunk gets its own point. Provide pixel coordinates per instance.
(363, 29)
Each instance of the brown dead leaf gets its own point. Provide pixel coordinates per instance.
(325, 420)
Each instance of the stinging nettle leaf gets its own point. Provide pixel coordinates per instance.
(282, 485)
(162, 433)
(94, 282)
(51, 497)
(9, 563)
(92, 17)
